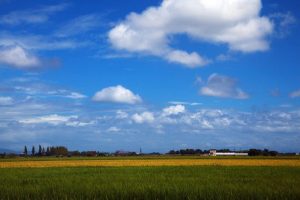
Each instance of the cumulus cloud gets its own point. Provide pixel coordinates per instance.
(222, 86)
(6, 101)
(145, 117)
(189, 59)
(236, 23)
(18, 57)
(295, 94)
(117, 94)
(173, 110)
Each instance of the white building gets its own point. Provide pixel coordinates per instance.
(214, 152)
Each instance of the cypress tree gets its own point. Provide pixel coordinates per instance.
(33, 151)
(25, 150)
(40, 150)
(48, 151)
(43, 151)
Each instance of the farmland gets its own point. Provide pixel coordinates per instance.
(150, 178)
(148, 161)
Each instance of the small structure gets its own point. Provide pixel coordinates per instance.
(213, 152)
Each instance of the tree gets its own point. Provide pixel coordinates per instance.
(172, 152)
(33, 151)
(58, 151)
(40, 150)
(25, 151)
(48, 151)
(43, 151)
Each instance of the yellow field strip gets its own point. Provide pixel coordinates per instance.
(159, 162)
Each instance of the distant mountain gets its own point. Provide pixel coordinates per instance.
(7, 151)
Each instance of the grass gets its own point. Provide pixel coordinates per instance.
(192, 182)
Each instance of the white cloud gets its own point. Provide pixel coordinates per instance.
(189, 59)
(49, 119)
(6, 101)
(185, 103)
(145, 117)
(33, 16)
(18, 57)
(39, 89)
(295, 94)
(223, 57)
(76, 123)
(117, 94)
(173, 110)
(75, 95)
(58, 120)
(284, 21)
(236, 23)
(81, 24)
(222, 86)
(121, 114)
(39, 42)
(113, 129)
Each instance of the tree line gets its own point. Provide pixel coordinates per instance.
(251, 152)
(48, 151)
(63, 151)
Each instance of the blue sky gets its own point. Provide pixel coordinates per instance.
(158, 75)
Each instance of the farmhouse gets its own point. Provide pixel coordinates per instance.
(213, 152)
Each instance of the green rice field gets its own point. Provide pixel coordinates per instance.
(165, 182)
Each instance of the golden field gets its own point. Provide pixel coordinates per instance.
(150, 162)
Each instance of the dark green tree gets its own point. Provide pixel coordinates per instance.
(40, 150)
(48, 151)
(43, 151)
(25, 151)
(59, 151)
(33, 151)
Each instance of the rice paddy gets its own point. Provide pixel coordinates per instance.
(150, 178)
(168, 182)
(148, 162)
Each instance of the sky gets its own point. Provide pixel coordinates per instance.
(156, 74)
